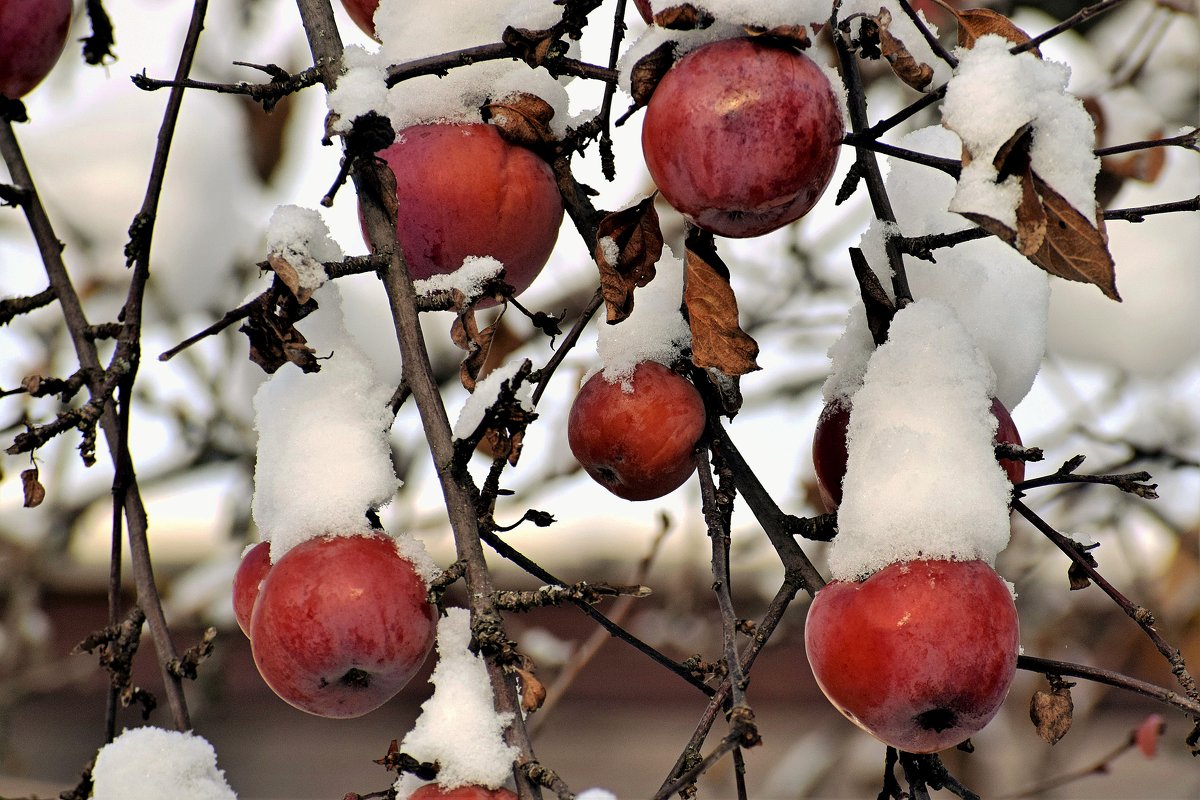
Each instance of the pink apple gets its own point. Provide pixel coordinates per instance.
(920, 655)
(341, 624)
(462, 190)
(33, 34)
(431, 791)
(742, 136)
(256, 563)
(640, 445)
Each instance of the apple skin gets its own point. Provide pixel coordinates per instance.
(639, 445)
(643, 8)
(829, 448)
(742, 137)
(33, 34)
(464, 191)
(431, 791)
(341, 624)
(362, 12)
(247, 581)
(920, 655)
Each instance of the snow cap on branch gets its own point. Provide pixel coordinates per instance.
(151, 763)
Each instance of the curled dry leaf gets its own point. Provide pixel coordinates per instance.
(271, 328)
(648, 71)
(34, 492)
(916, 74)
(523, 119)
(1051, 712)
(718, 340)
(793, 35)
(976, 22)
(533, 47)
(533, 692)
(628, 245)
(291, 276)
(466, 335)
(683, 17)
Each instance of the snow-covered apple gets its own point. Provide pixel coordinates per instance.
(431, 791)
(829, 451)
(639, 444)
(341, 624)
(362, 12)
(920, 654)
(742, 136)
(256, 563)
(33, 34)
(462, 190)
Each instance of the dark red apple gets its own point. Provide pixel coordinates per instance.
(639, 445)
(341, 624)
(742, 136)
(362, 12)
(829, 448)
(33, 34)
(256, 563)
(920, 655)
(643, 8)
(462, 190)
(431, 791)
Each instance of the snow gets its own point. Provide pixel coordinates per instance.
(301, 237)
(1001, 298)
(654, 331)
(151, 763)
(991, 95)
(459, 727)
(595, 794)
(922, 480)
(469, 279)
(413, 29)
(484, 397)
(323, 454)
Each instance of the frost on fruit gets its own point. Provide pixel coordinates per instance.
(150, 763)
(459, 727)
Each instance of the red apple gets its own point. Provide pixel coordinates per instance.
(742, 136)
(920, 655)
(431, 791)
(639, 445)
(464, 191)
(363, 14)
(341, 624)
(33, 34)
(256, 563)
(643, 8)
(829, 448)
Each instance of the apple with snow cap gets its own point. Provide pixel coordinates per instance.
(462, 190)
(341, 624)
(742, 136)
(637, 438)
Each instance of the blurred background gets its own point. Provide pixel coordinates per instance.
(1120, 383)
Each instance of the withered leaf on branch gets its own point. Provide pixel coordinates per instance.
(274, 340)
(629, 243)
(648, 71)
(523, 119)
(916, 74)
(34, 492)
(976, 22)
(533, 47)
(718, 340)
(533, 692)
(290, 276)
(683, 17)
(1051, 711)
(794, 35)
(466, 335)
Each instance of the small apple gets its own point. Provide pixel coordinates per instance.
(431, 791)
(638, 444)
(256, 563)
(462, 190)
(362, 12)
(33, 34)
(341, 624)
(829, 448)
(920, 655)
(742, 136)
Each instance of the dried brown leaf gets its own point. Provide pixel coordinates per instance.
(466, 335)
(976, 22)
(793, 35)
(638, 241)
(34, 492)
(522, 118)
(916, 74)
(683, 17)
(648, 71)
(290, 277)
(718, 340)
(274, 340)
(533, 692)
(532, 46)
(1051, 713)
